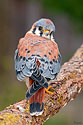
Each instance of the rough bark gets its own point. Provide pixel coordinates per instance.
(68, 85)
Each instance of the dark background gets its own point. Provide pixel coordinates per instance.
(16, 18)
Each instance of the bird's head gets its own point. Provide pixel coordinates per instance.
(43, 28)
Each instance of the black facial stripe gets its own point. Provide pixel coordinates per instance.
(51, 34)
(41, 33)
(34, 30)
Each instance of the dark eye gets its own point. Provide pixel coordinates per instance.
(40, 28)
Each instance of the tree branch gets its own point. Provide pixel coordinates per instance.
(68, 85)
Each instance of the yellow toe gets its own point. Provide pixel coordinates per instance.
(47, 90)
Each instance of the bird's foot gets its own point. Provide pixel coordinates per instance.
(50, 90)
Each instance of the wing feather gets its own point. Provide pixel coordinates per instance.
(33, 47)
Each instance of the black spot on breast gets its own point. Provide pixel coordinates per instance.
(24, 58)
(29, 58)
(45, 55)
(28, 51)
(54, 60)
(20, 57)
(55, 57)
(51, 62)
(46, 62)
(25, 49)
(38, 55)
(49, 53)
(33, 55)
(42, 59)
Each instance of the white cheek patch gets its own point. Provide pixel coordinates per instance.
(37, 32)
(43, 35)
(52, 37)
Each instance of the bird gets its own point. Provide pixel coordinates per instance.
(37, 61)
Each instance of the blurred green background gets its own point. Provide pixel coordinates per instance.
(16, 18)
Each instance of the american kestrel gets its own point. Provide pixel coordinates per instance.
(37, 61)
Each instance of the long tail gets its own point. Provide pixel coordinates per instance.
(37, 101)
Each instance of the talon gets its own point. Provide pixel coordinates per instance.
(49, 91)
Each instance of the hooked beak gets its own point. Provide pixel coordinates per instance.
(46, 32)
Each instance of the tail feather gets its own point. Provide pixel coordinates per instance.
(37, 101)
